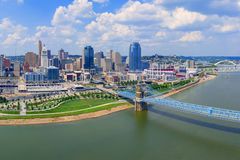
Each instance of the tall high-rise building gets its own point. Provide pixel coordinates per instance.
(16, 69)
(62, 54)
(98, 56)
(1, 66)
(40, 47)
(49, 54)
(88, 58)
(69, 67)
(110, 54)
(78, 64)
(135, 57)
(44, 58)
(52, 73)
(106, 64)
(190, 64)
(26, 67)
(55, 62)
(31, 59)
(6, 63)
(117, 61)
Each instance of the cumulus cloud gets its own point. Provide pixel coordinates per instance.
(136, 20)
(147, 21)
(73, 13)
(100, 1)
(158, 1)
(160, 34)
(226, 24)
(194, 36)
(117, 31)
(227, 28)
(11, 32)
(181, 17)
(225, 4)
(66, 23)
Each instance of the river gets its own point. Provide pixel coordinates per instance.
(134, 136)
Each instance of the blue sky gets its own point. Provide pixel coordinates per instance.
(167, 27)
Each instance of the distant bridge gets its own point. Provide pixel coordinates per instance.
(227, 66)
(213, 112)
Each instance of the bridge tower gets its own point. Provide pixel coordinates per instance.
(139, 104)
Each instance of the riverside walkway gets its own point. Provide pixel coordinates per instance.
(213, 112)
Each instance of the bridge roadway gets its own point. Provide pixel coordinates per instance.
(213, 112)
(228, 69)
(227, 66)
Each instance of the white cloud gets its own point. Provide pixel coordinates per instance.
(227, 28)
(136, 13)
(68, 41)
(11, 33)
(136, 20)
(229, 4)
(160, 34)
(194, 36)
(182, 17)
(147, 21)
(225, 24)
(117, 31)
(100, 1)
(158, 1)
(5, 24)
(73, 13)
(66, 23)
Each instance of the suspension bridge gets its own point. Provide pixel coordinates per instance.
(209, 111)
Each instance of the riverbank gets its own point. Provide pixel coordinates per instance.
(64, 119)
(202, 80)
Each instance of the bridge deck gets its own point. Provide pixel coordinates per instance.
(214, 112)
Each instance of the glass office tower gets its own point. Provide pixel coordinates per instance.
(135, 57)
(88, 58)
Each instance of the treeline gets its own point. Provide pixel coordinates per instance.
(3, 100)
(100, 95)
(127, 83)
(169, 85)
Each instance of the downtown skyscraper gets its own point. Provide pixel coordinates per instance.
(88, 58)
(44, 57)
(135, 57)
(40, 47)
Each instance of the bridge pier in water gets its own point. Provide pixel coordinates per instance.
(140, 105)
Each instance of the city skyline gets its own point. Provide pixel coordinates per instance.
(120, 79)
(161, 27)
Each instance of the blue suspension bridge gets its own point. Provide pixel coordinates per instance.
(213, 112)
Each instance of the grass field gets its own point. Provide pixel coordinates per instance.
(69, 113)
(72, 107)
(75, 105)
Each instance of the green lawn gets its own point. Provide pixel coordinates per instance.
(61, 114)
(10, 112)
(76, 105)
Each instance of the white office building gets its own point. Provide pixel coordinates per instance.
(44, 58)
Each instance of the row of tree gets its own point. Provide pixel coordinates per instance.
(3, 100)
(169, 85)
(127, 83)
(99, 95)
